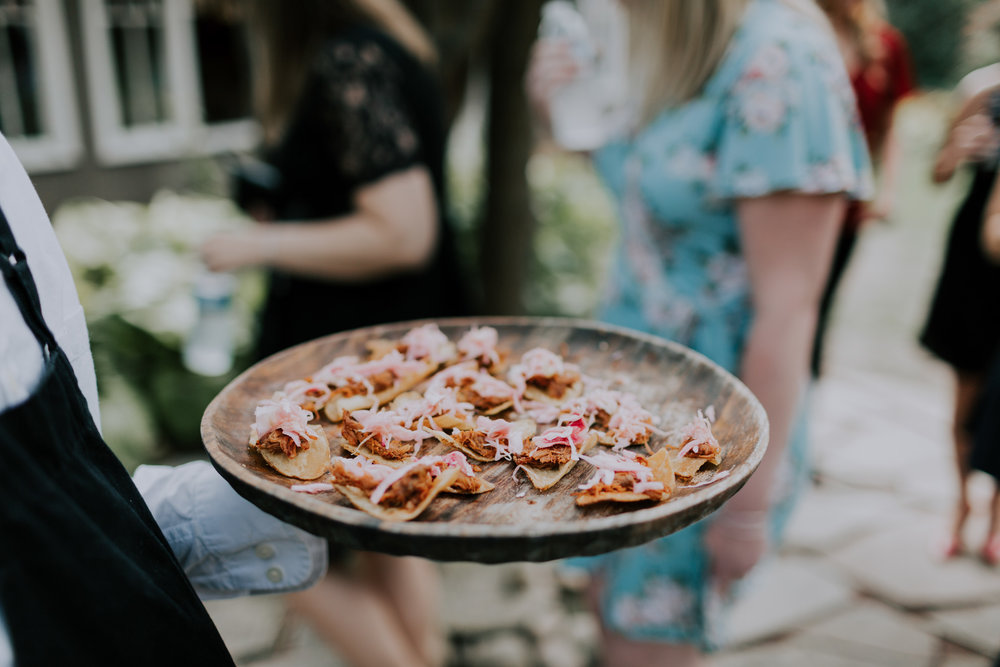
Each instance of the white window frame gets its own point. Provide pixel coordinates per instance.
(184, 135)
(59, 147)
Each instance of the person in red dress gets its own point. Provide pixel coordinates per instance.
(878, 62)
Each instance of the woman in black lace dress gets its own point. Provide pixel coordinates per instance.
(350, 203)
(353, 173)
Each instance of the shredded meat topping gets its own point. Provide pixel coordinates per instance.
(366, 484)
(394, 449)
(476, 441)
(623, 483)
(351, 431)
(545, 457)
(276, 440)
(410, 489)
(379, 382)
(349, 389)
(465, 484)
(554, 386)
(354, 434)
(701, 451)
(382, 381)
(641, 438)
(481, 403)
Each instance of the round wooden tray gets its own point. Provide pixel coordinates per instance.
(514, 522)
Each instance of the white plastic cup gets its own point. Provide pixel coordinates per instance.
(583, 112)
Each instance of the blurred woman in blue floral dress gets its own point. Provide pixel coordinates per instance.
(730, 185)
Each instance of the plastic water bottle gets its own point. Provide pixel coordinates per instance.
(577, 107)
(208, 349)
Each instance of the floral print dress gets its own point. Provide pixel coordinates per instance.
(777, 115)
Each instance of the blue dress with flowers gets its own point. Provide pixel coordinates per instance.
(777, 115)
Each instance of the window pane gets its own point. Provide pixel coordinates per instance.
(137, 41)
(223, 60)
(19, 85)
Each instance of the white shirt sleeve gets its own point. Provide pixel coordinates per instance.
(227, 546)
(60, 304)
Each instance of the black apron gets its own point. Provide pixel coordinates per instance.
(86, 576)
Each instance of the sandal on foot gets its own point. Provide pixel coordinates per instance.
(990, 553)
(948, 547)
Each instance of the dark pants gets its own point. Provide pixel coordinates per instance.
(841, 255)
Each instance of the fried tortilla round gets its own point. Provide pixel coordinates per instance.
(307, 464)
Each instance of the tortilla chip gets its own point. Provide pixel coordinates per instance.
(403, 399)
(604, 438)
(449, 440)
(379, 347)
(451, 421)
(335, 409)
(372, 456)
(464, 484)
(532, 393)
(362, 500)
(441, 421)
(659, 463)
(586, 499)
(662, 469)
(686, 466)
(546, 478)
(498, 409)
(527, 426)
(470, 485)
(307, 464)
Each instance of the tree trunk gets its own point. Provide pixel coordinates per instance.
(508, 224)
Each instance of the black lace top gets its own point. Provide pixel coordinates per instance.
(368, 109)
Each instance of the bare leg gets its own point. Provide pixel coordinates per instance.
(622, 652)
(356, 622)
(411, 588)
(967, 387)
(619, 651)
(991, 548)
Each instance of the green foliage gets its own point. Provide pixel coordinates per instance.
(155, 403)
(935, 33)
(134, 266)
(576, 229)
(573, 236)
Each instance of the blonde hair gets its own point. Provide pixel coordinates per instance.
(860, 23)
(676, 45)
(289, 34)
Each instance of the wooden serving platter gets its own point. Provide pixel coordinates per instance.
(514, 522)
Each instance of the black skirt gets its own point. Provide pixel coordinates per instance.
(963, 324)
(985, 425)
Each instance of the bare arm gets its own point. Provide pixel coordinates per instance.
(788, 241)
(890, 152)
(970, 130)
(962, 137)
(393, 228)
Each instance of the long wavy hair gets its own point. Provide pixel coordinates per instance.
(285, 37)
(676, 45)
(859, 22)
